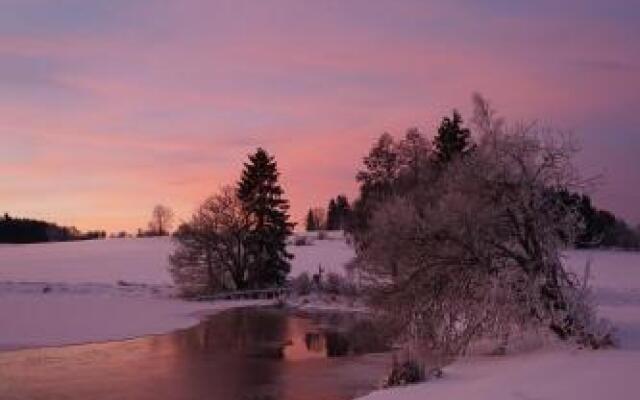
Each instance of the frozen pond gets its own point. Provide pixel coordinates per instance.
(245, 354)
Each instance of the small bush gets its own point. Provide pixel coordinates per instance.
(597, 340)
(302, 241)
(348, 239)
(302, 284)
(588, 329)
(338, 284)
(405, 373)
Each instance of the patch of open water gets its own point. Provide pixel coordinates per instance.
(242, 354)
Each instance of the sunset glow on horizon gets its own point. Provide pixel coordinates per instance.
(110, 107)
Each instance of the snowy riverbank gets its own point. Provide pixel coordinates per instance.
(556, 372)
(43, 314)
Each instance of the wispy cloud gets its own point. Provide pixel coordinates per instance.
(111, 106)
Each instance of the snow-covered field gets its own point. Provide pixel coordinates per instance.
(76, 292)
(142, 261)
(61, 293)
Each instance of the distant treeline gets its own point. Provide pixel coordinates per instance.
(25, 230)
(337, 216)
(600, 228)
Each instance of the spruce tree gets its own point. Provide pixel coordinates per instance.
(311, 222)
(332, 216)
(262, 198)
(452, 139)
(343, 211)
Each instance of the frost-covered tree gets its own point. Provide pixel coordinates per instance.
(414, 153)
(263, 200)
(391, 168)
(477, 251)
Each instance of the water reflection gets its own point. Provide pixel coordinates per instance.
(241, 354)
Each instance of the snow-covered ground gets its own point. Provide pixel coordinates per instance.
(131, 260)
(72, 314)
(557, 372)
(91, 261)
(76, 292)
(61, 293)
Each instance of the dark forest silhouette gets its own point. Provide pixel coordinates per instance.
(25, 230)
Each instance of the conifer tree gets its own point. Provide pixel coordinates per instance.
(452, 139)
(332, 216)
(262, 198)
(381, 169)
(311, 222)
(343, 211)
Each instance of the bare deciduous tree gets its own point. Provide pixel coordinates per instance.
(211, 253)
(161, 220)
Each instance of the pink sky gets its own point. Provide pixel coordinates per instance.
(109, 107)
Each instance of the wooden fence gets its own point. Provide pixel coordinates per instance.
(273, 293)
